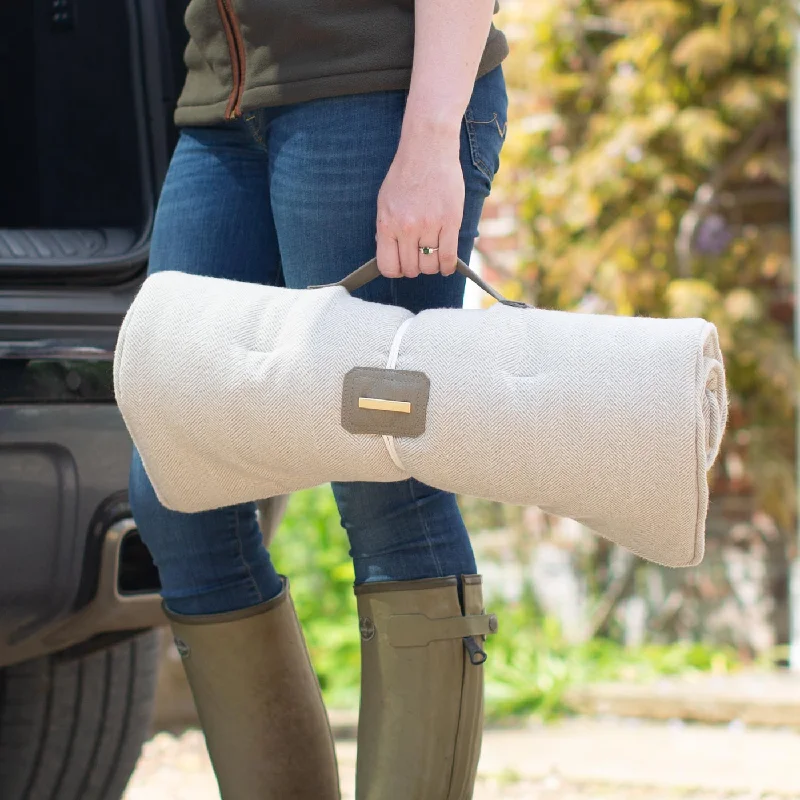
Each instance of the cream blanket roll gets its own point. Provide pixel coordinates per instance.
(233, 392)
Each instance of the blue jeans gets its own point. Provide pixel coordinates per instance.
(288, 196)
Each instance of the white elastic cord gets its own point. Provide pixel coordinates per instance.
(394, 350)
(391, 363)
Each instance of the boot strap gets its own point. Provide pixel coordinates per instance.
(418, 630)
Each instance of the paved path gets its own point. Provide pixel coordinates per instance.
(573, 760)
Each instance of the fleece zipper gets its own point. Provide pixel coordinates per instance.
(233, 33)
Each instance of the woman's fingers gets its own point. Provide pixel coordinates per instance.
(409, 253)
(448, 249)
(388, 255)
(429, 262)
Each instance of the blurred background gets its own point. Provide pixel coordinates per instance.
(646, 171)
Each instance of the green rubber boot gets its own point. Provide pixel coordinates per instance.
(421, 719)
(259, 702)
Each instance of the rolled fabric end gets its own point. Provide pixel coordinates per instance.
(714, 396)
(712, 418)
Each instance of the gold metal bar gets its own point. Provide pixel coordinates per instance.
(377, 404)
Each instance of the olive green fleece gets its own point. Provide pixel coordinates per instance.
(247, 54)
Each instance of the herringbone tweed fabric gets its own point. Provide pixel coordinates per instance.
(232, 392)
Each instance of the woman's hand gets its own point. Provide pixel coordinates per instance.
(421, 204)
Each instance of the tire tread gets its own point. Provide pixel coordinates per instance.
(72, 726)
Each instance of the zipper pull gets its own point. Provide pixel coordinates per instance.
(477, 655)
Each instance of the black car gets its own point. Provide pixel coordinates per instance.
(87, 90)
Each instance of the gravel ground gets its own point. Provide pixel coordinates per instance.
(177, 768)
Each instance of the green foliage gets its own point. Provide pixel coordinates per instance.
(531, 663)
(533, 666)
(311, 549)
(649, 152)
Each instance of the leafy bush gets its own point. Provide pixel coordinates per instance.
(648, 150)
(532, 665)
(311, 548)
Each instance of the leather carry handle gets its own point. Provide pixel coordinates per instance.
(363, 275)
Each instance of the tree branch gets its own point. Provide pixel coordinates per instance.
(611, 597)
(706, 196)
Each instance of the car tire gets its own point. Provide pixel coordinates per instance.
(72, 725)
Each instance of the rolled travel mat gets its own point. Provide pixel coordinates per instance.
(235, 392)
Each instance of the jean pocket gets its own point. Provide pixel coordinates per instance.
(486, 120)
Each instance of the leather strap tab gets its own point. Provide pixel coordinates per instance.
(390, 402)
(418, 630)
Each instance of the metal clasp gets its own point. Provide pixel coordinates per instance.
(379, 404)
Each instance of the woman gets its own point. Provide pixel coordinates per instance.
(315, 133)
